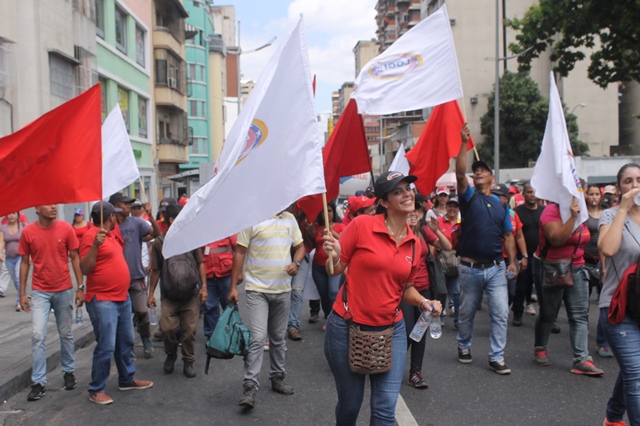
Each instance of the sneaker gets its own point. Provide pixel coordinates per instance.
(146, 343)
(294, 334)
(534, 297)
(464, 356)
(157, 336)
(266, 345)
(587, 368)
(517, 320)
(169, 363)
(605, 351)
(314, 318)
(18, 308)
(136, 385)
(610, 423)
(540, 356)
(499, 367)
(324, 327)
(69, 381)
(248, 399)
(555, 329)
(452, 310)
(530, 309)
(455, 325)
(417, 381)
(100, 398)
(37, 391)
(278, 385)
(188, 370)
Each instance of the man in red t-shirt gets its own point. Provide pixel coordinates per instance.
(49, 244)
(109, 305)
(218, 258)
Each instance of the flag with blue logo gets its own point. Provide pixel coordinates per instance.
(419, 70)
(272, 155)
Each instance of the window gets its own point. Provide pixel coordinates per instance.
(142, 117)
(199, 145)
(103, 97)
(197, 108)
(192, 72)
(123, 100)
(202, 73)
(62, 78)
(140, 50)
(169, 69)
(100, 18)
(121, 30)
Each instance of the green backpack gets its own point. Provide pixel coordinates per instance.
(230, 337)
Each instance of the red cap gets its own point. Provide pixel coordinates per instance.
(513, 190)
(361, 202)
(443, 190)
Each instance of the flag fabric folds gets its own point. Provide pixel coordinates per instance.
(555, 177)
(54, 159)
(346, 153)
(419, 70)
(119, 167)
(439, 142)
(400, 163)
(271, 157)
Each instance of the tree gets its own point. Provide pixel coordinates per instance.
(608, 27)
(523, 117)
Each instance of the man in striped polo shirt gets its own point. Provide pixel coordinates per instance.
(263, 262)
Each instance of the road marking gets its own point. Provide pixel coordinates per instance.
(403, 415)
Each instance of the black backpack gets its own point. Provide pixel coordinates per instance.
(180, 276)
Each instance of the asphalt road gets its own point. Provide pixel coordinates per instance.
(457, 395)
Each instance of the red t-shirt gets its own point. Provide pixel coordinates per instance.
(421, 282)
(109, 279)
(218, 256)
(552, 214)
(49, 250)
(321, 257)
(451, 230)
(516, 224)
(81, 231)
(378, 270)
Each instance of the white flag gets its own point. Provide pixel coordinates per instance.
(419, 70)
(400, 163)
(271, 158)
(555, 177)
(119, 167)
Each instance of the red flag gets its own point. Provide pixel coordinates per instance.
(346, 153)
(438, 143)
(56, 158)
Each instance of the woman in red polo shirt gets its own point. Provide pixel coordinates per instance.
(382, 255)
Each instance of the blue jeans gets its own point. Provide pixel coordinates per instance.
(41, 304)
(472, 282)
(385, 388)
(576, 302)
(217, 293)
(624, 339)
(113, 329)
(453, 290)
(327, 287)
(13, 267)
(297, 288)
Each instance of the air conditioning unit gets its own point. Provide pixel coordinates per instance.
(172, 82)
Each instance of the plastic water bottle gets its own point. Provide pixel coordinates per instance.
(511, 274)
(79, 319)
(421, 326)
(153, 316)
(435, 328)
(636, 199)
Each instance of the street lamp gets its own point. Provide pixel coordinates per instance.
(581, 105)
(239, 51)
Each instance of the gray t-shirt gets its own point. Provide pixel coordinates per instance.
(627, 255)
(133, 230)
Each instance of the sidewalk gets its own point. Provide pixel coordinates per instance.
(15, 341)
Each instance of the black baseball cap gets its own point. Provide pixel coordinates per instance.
(453, 200)
(389, 180)
(482, 164)
(500, 189)
(119, 197)
(107, 209)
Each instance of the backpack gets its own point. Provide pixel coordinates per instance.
(180, 276)
(230, 337)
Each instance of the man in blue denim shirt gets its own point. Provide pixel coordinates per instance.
(485, 223)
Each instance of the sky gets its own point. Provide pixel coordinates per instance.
(333, 28)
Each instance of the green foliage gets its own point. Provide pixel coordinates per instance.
(523, 117)
(610, 27)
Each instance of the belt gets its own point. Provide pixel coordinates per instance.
(481, 265)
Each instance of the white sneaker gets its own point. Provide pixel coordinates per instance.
(531, 310)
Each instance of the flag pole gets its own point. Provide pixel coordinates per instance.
(464, 113)
(327, 227)
(144, 195)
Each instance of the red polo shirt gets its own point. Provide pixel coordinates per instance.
(320, 258)
(109, 280)
(218, 256)
(378, 270)
(450, 229)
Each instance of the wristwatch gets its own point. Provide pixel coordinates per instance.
(297, 262)
(81, 287)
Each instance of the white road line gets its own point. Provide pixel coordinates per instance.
(403, 415)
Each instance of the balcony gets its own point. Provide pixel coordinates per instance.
(163, 38)
(166, 96)
(170, 151)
